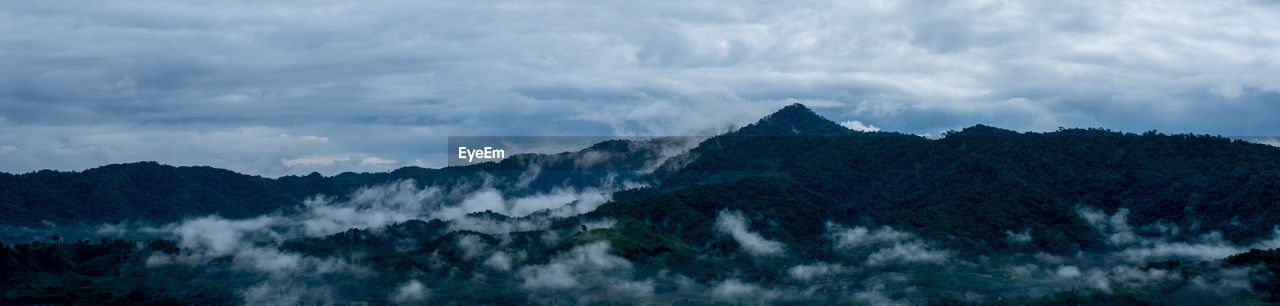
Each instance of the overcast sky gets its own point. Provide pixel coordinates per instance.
(292, 87)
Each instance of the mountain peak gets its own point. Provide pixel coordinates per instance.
(980, 131)
(795, 108)
(793, 120)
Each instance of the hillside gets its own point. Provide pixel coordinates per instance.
(973, 185)
(150, 192)
(791, 209)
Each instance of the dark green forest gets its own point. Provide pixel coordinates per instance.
(791, 209)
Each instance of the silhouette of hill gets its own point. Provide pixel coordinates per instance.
(794, 207)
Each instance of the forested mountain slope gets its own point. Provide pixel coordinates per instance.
(791, 209)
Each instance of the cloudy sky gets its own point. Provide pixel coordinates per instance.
(291, 87)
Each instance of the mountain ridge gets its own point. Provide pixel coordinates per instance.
(793, 206)
(25, 198)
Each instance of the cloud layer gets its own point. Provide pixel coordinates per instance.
(293, 87)
(735, 225)
(275, 257)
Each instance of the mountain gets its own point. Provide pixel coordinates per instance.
(792, 120)
(117, 192)
(791, 209)
(150, 192)
(975, 184)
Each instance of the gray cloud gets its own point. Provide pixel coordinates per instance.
(590, 268)
(886, 246)
(877, 265)
(1023, 237)
(287, 277)
(499, 261)
(734, 290)
(811, 271)
(412, 291)
(247, 86)
(910, 253)
(1167, 242)
(734, 224)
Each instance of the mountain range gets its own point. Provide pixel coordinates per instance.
(794, 208)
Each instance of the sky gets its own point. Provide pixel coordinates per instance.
(290, 87)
